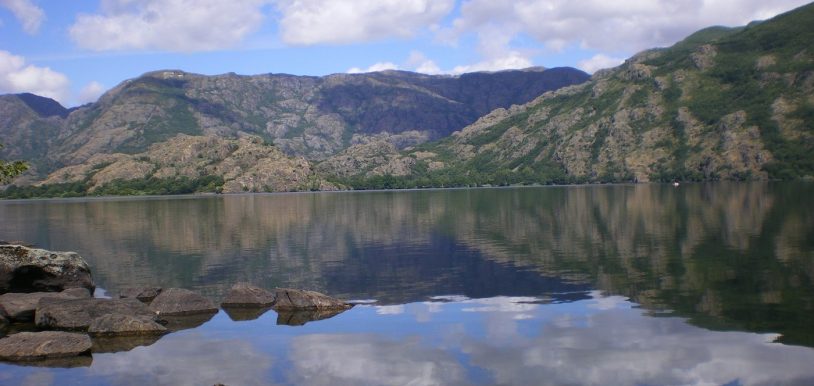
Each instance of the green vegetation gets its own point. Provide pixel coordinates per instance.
(9, 170)
(136, 187)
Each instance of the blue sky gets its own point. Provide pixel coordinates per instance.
(74, 50)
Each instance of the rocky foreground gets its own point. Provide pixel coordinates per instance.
(47, 298)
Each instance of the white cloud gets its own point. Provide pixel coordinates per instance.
(168, 25)
(370, 359)
(16, 77)
(420, 63)
(416, 62)
(514, 60)
(620, 346)
(29, 15)
(598, 62)
(307, 22)
(91, 92)
(625, 26)
(167, 362)
(381, 66)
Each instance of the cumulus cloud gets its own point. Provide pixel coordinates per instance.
(416, 62)
(29, 15)
(622, 347)
(91, 92)
(381, 66)
(16, 77)
(168, 25)
(421, 63)
(369, 358)
(167, 362)
(305, 22)
(626, 26)
(598, 62)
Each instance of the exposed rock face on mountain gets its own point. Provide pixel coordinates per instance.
(245, 165)
(722, 104)
(306, 116)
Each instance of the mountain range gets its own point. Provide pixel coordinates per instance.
(724, 103)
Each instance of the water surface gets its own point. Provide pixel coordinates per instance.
(621, 284)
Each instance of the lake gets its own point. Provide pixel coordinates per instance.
(702, 284)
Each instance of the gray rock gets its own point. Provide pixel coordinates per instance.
(143, 294)
(24, 269)
(179, 301)
(118, 324)
(29, 346)
(77, 314)
(20, 307)
(293, 299)
(247, 295)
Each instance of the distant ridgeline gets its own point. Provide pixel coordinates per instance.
(725, 103)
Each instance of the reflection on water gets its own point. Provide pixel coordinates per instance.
(504, 340)
(527, 261)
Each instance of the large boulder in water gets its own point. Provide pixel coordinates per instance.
(30, 346)
(121, 324)
(78, 314)
(20, 307)
(179, 301)
(24, 269)
(247, 295)
(288, 299)
(144, 294)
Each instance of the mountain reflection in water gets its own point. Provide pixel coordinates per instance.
(614, 279)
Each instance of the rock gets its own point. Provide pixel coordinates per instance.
(119, 324)
(20, 306)
(247, 295)
(78, 293)
(293, 299)
(28, 346)
(143, 294)
(4, 319)
(78, 314)
(111, 344)
(178, 301)
(299, 318)
(240, 314)
(185, 322)
(24, 269)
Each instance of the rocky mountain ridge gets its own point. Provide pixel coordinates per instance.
(309, 116)
(725, 103)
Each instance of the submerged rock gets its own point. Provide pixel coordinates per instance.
(143, 294)
(178, 301)
(119, 324)
(293, 299)
(77, 314)
(24, 269)
(29, 346)
(20, 306)
(247, 295)
(299, 318)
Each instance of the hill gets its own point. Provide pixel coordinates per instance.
(725, 103)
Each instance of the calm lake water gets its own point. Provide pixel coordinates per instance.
(704, 284)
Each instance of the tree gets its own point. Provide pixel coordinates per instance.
(9, 170)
